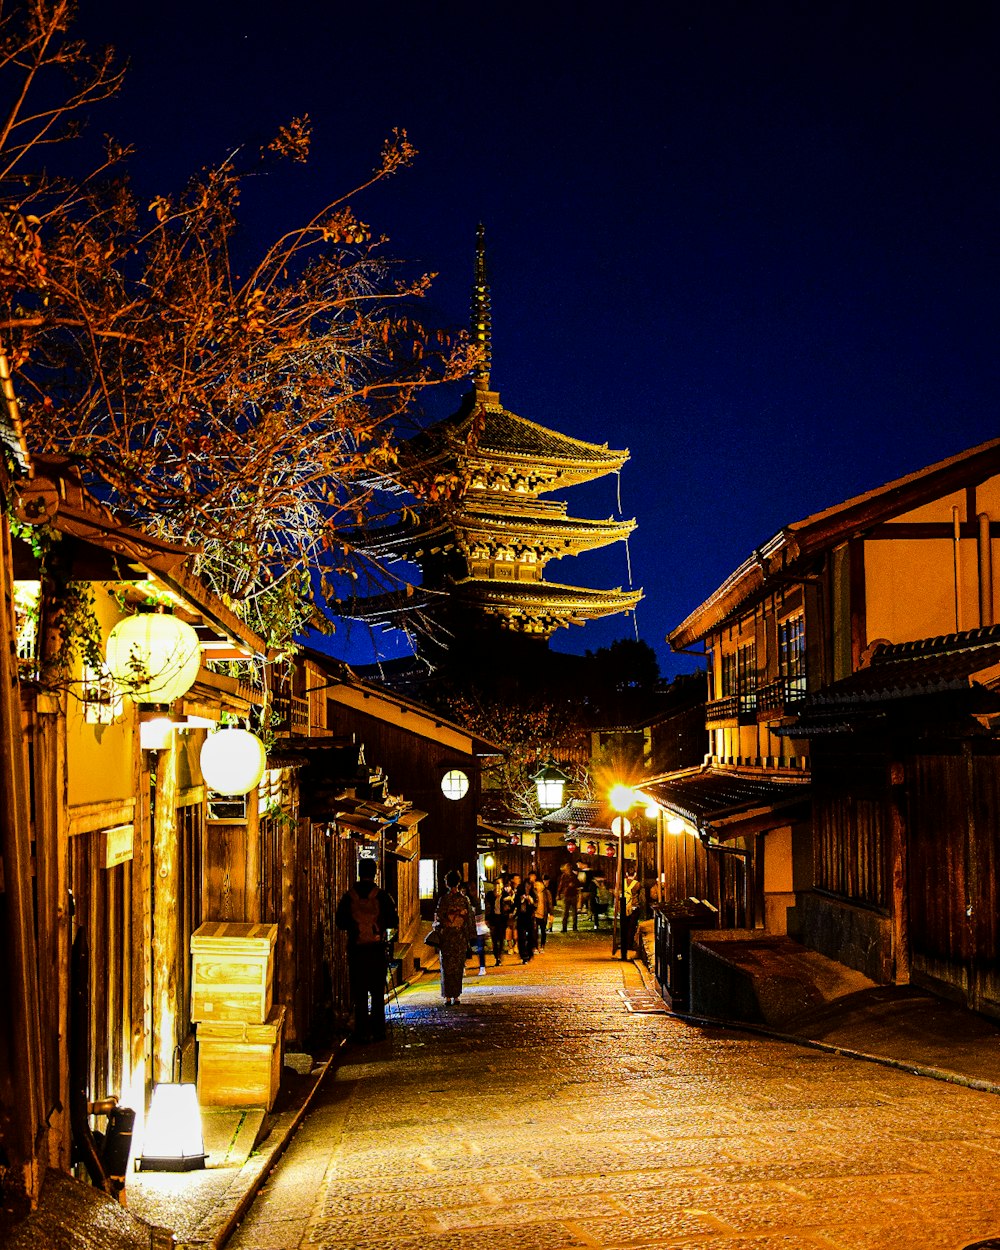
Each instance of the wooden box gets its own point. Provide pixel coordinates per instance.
(232, 971)
(239, 1064)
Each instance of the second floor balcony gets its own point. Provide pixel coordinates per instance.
(776, 695)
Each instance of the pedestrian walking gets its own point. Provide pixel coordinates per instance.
(482, 932)
(456, 924)
(633, 911)
(526, 903)
(367, 914)
(515, 898)
(499, 906)
(568, 892)
(543, 909)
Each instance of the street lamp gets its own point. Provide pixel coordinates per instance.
(622, 798)
(550, 781)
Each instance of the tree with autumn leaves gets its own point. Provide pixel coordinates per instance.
(250, 416)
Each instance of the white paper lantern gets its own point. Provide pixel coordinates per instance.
(153, 657)
(232, 761)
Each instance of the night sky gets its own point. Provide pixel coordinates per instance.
(755, 243)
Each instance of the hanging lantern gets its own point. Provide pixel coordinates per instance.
(232, 761)
(550, 782)
(571, 846)
(675, 825)
(609, 850)
(153, 657)
(591, 848)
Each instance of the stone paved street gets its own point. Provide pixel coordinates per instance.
(542, 1113)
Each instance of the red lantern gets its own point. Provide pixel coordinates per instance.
(514, 839)
(591, 848)
(571, 847)
(609, 851)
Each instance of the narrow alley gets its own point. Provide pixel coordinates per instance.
(557, 1105)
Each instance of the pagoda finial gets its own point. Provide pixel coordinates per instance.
(481, 313)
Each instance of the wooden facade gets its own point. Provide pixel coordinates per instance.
(858, 649)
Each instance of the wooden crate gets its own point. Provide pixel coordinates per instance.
(239, 1064)
(232, 971)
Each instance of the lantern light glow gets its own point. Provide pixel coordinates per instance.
(232, 761)
(153, 657)
(173, 1140)
(550, 783)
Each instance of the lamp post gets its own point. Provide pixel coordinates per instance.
(622, 799)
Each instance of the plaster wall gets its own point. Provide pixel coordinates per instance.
(910, 588)
(99, 757)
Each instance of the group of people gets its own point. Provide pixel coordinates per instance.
(516, 914)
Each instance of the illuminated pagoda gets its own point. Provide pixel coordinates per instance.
(484, 535)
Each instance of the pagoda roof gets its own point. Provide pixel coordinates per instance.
(487, 515)
(558, 604)
(483, 430)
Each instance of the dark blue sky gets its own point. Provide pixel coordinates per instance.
(755, 243)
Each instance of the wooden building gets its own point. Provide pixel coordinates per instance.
(436, 764)
(851, 673)
(117, 830)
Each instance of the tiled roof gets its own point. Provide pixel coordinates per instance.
(927, 666)
(706, 796)
(508, 436)
(564, 598)
(508, 433)
(960, 671)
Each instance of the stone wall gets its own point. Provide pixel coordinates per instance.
(855, 936)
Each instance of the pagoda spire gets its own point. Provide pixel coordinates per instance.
(481, 328)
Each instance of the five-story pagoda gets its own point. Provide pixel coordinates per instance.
(484, 535)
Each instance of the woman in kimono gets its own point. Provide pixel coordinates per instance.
(456, 924)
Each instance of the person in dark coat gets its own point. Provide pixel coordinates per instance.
(367, 913)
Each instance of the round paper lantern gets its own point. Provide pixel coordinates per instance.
(153, 657)
(232, 761)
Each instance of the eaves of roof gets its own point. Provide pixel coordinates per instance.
(716, 798)
(789, 551)
(342, 676)
(79, 515)
(505, 435)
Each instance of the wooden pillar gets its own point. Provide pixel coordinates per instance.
(141, 987)
(252, 902)
(54, 923)
(165, 916)
(19, 978)
(900, 912)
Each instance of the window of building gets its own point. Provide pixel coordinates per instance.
(746, 676)
(730, 678)
(792, 655)
(455, 784)
(427, 878)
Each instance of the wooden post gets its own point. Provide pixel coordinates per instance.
(52, 889)
(165, 913)
(898, 855)
(19, 976)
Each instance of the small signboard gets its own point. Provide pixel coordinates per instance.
(117, 845)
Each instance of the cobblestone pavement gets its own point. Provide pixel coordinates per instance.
(554, 1107)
